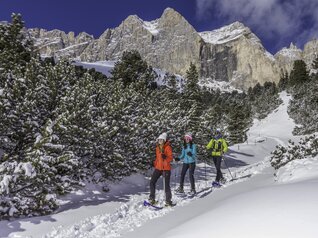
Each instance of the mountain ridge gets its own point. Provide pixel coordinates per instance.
(232, 53)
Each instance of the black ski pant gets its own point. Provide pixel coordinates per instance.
(185, 167)
(217, 162)
(154, 178)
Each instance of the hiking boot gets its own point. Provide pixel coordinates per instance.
(169, 204)
(152, 201)
(180, 190)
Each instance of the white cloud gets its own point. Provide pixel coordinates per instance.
(276, 19)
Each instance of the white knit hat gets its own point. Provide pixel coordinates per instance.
(163, 136)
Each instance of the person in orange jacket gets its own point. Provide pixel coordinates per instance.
(162, 167)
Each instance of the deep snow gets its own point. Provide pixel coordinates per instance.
(262, 205)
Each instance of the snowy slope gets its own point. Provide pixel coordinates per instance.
(105, 67)
(225, 34)
(259, 206)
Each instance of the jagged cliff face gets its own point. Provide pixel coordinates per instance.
(168, 43)
(58, 44)
(285, 57)
(310, 52)
(232, 53)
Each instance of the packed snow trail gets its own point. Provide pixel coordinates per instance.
(277, 125)
(131, 214)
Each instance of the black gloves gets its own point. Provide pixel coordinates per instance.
(189, 153)
(177, 159)
(163, 156)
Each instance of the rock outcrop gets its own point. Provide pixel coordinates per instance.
(233, 53)
(285, 57)
(58, 44)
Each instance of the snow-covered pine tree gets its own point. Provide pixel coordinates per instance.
(303, 107)
(283, 81)
(192, 78)
(263, 99)
(315, 63)
(15, 48)
(132, 68)
(307, 146)
(238, 123)
(172, 82)
(314, 70)
(299, 73)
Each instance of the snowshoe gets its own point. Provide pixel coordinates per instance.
(216, 184)
(148, 204)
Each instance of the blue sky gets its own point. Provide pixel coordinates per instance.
(275, 22)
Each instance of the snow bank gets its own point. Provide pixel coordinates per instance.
(298, 170)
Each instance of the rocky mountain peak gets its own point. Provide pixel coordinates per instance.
(132, 19)
(292, 46)
(228, 33)
(170, 14)
(171, 18)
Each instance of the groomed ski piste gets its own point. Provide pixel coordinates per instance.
(256, 204)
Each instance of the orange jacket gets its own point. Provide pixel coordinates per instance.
(160, 163)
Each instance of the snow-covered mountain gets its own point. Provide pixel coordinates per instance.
(286, 56)
(232, 53)
(262, 205)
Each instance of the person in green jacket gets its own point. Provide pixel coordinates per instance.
(219, 147)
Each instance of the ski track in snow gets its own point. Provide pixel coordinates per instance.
(133, 214)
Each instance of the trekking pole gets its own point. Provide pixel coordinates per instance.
(176, 175)
(227, 166)
(205, 169)
(205, 173)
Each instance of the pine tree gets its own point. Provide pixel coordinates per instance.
(15, 49)
(315, 69)
(172, 81)
(131, 68)
(315, 64)
(283, 82)
(299, 73)
(192, 79)
(238, 123)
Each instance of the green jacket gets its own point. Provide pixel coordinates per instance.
(218, 146)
